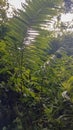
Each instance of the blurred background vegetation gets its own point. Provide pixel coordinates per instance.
(36, 67)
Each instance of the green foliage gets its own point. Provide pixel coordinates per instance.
(3, 8)
(34, 69)
(3, 18)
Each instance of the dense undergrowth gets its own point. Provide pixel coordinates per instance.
(36, 70)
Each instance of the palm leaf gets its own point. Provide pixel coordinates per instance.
(34, 13)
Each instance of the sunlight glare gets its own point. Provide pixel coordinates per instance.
(67, 17)
(16, 3)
